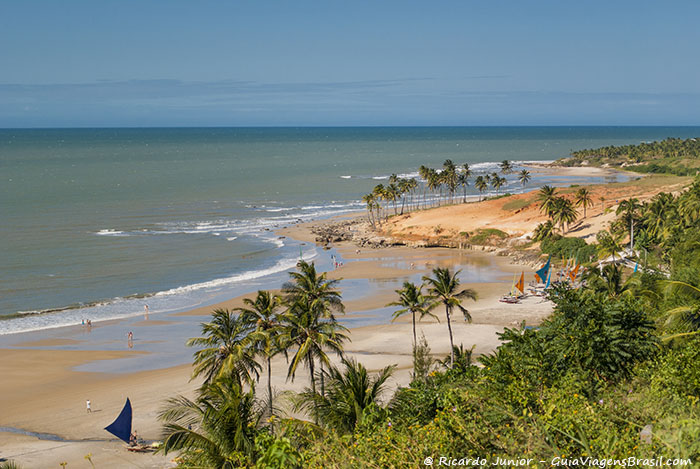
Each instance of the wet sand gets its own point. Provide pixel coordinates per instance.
(45, 393)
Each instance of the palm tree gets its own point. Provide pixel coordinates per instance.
(546, 197)
(524, 177)
(391, 194)
(481, 185)
(608, 244)
(628, 208)
(563, 212)
(370, 200)
(584, 199)
(379, 193)
(226, 351)
(412, 299)
(350, 392)
(497, 181)
(214, 429)
(463, 358)
(443, 288)
(404, 187)
(543, 231)
(319, 294)
(310, 323)
(683, 320)
(312, 336)
(506, 167)
(262, 314)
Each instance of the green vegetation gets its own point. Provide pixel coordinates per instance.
(617, 355)
(568, 248)
(517, 204)
(486, 235)
(435, 187)
(669, 156)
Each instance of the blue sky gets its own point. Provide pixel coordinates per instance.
(250, 63)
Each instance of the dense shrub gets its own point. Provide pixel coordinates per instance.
(565, 248)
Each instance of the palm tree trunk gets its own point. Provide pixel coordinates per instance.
(631, 236)
(323, 383)
(269, 383)
(415, 341)
(452, 345)
(313, 388)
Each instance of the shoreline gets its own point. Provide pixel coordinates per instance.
(63, 392)
(134, 302)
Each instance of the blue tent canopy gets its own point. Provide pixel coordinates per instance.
(121, 427)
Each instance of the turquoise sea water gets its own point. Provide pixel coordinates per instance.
(104, 221)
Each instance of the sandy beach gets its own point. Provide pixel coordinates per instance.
(43, 392)
(45, 388)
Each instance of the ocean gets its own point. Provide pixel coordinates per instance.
(96, 223)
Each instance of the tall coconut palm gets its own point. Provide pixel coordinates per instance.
(608, 244)
(350, 392)
(310, 323)
(379, 192)
(404, 187)
(319, 294)
(481, 185)
(628, 209)
(584, 199)
(434, 182)
(370, 201)
(524, 176)
(214, 429)
(412, 301)
(497, 181)
(546, 196)
(226, 351)
(506, 167)
(392, 194)
(563, 212)
(444, 289)
(264, 315)
(312, 336)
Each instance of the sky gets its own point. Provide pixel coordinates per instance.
(344, 63)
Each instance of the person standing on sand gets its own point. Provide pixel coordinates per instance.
(145, 310)
(89, 408)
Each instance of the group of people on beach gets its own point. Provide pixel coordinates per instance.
(336, 262)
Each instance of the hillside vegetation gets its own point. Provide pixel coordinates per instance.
(671, 156)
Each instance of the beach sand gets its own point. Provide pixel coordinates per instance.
(43, 393)
(41, 390)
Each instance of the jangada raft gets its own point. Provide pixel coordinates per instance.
(121, 428)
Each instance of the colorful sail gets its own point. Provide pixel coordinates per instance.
(573, 273)
(542, 273)
(521, 283)
(121, 427)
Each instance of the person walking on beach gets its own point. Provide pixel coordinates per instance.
(145, 310)
(89, 408)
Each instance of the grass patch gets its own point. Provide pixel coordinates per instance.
(483, 235)
(517, 204)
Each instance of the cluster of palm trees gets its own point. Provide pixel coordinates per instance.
(301, 324)
(436, 187)
(670, 147)
(442, 289)
(560, 210)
